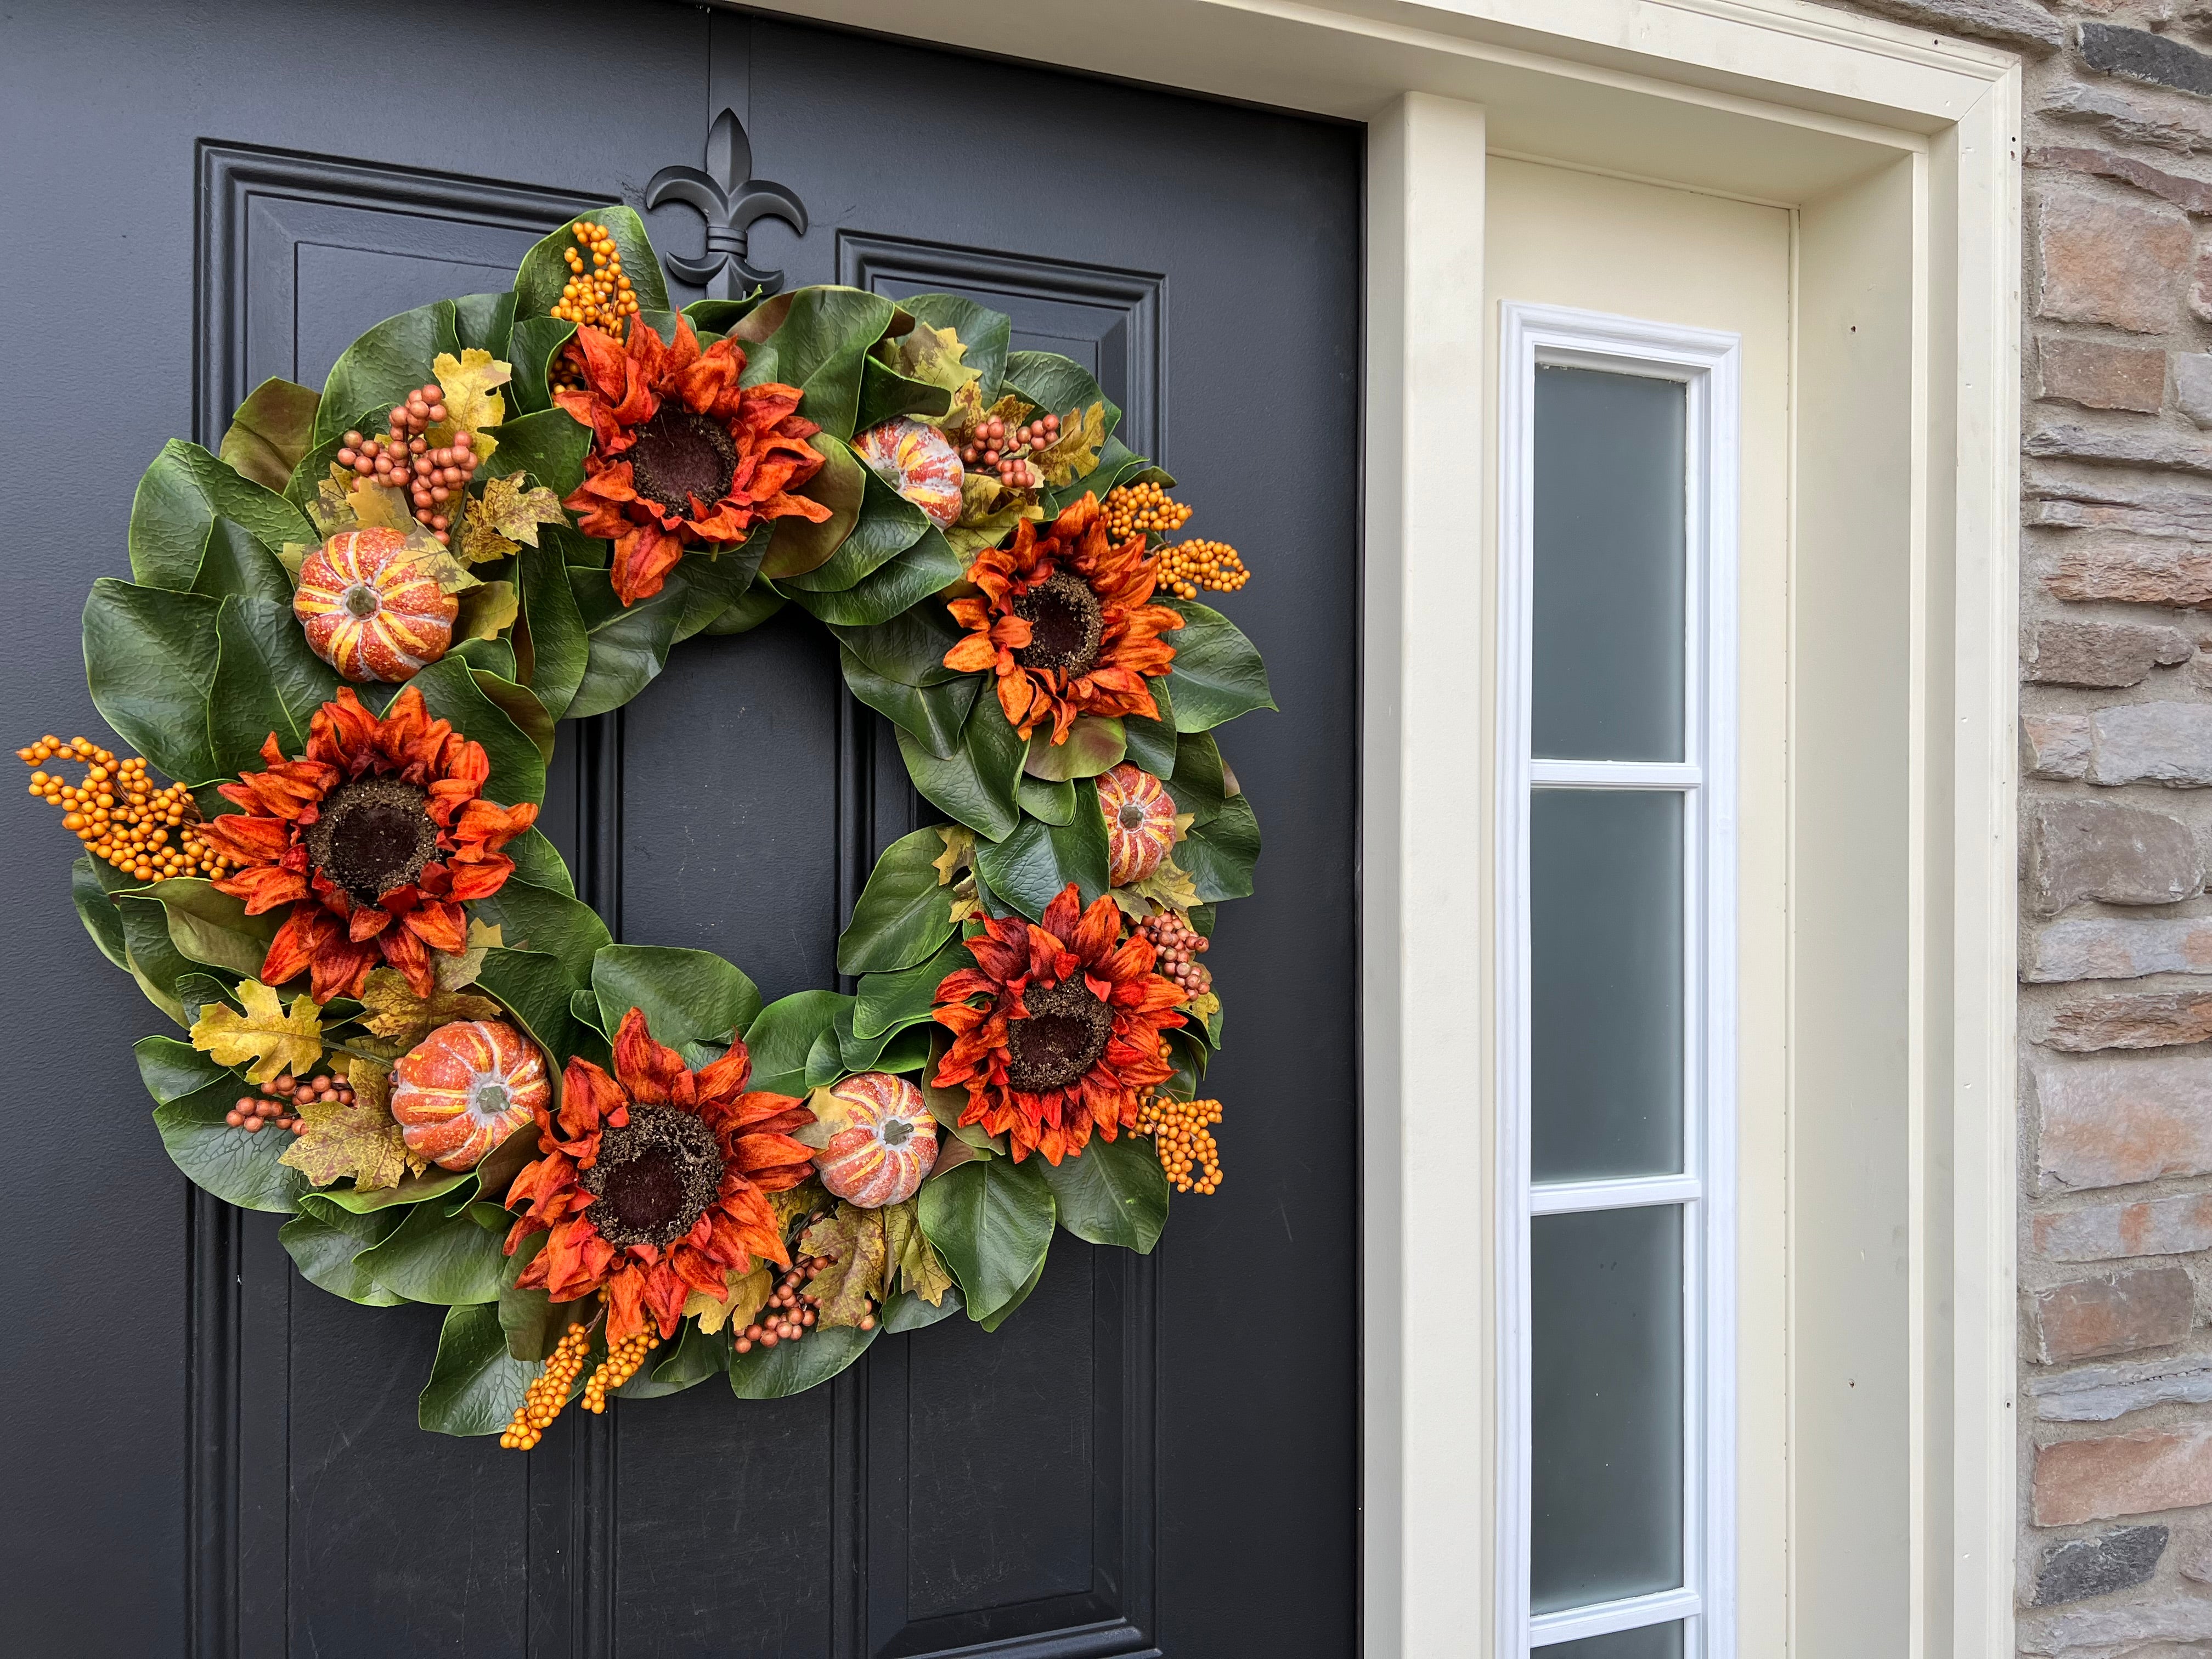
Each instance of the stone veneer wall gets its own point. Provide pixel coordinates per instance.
(2116, 818)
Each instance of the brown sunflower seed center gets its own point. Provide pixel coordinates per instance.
(1063, 1037)
(1066, 625)
(372, 835)
(654, 1177)
(679, 455)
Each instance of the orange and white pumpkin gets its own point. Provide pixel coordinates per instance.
(919, 462)
(372, 606)
(1140, 824)
(466, 1088)
(882, 1141)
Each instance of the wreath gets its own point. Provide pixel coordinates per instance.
(348, 640)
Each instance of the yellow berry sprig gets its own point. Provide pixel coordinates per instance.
(1181, 1135)
(548, 1393)
(1131, 508)
(117, 813)
(618, 1368)
(1185, 567)
(598, 295)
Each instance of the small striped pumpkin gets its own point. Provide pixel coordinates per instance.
(372, 607)
(1140, 824)
(882, 1140)
(466, 1088)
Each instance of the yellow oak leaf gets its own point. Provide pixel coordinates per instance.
(265, 1034)
(487, 609)
(748, 1294)
(472, 403)
(515, 512)
(390, 1008)
(935, 356)
(452, 972)
(857, 1279)
(380, 507)
(370, 1081)
(1205, 1006)
(1074, 453)
(959, 852)
(988, 510)
(795, 1203)
(1169, 887)
(914, 1255)
(354, 1140)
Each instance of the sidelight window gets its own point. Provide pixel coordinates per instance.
(1617, 498)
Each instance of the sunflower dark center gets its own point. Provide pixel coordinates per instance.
(1066, 625)
(372, 835)
(1062, 1038)
(678, 455)
(655, 1178)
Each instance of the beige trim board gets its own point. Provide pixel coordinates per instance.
(1787, 104)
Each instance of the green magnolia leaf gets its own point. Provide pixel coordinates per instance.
(515, 701)
(1095, 743)
(234, 561)
(200, 925)
(986, 334)
(151, 656)
(530, 1320)
(548, 445)
(991, 1322)
(628, 645)
(485, 321)
(178, 500)
(1201, 783)
(905, 912)
(449, 1260)
(1218, 674)
(1152, 742)
(797, 545)
(272, 428)
(934, 715)
(690, 1360)
(1117, 465)
(907, 1312)
(887, 1002)
(1057, 386)
(784, 1035)
(821, 347)
(1219, 855)
(792, 1368)
(451, 691)
(976, 785)
(494, 656)
(825, 1060)
(532, 345)
(534, 988)
(1030, 866)
(908, 648)
(475, 1384)
(747, 611)
(552, 646)
(532, 918)
(539, 862)
(720, 316)
(900, 586)
(378, 370)
(324, 1240)
(886, 523)
(237, 1166)
(886, 394)
(544, 269)
(1053, 803)
(1114, 1192)
(688, 997)
(97, 911)
(991, 1221)
(266, 680)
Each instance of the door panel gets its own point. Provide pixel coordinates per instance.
(1158, 1454)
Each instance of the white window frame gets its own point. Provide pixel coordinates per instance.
(1706, 363)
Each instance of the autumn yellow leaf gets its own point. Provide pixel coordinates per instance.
(265, 1034)
(748, 1294)
(472, 402)
(506, 518)
(487, 610)
(452, 972)
(988, 510)
(356, 1140)
(849, 1288)
(914, 1255)
(959, 852)
(390, 1008)
(1074, 453)
(935, 357)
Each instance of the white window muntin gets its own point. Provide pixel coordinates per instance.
(1706, 363)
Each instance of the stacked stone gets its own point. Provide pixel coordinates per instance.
(2117, 815)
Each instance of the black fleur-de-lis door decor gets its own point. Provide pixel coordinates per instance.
(731, 201)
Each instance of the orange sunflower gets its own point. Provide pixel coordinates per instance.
(1070, 1035)
(1065, 622)
(681, 455)
(375, 837)
(653, 1182)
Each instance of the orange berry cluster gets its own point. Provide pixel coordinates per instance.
(404, 459)
(1005, 450)
(1142, 506)
(119, 814)
(281, 1104)
(1185, 567)
(1181, 1131)
(547, 1393)
(597, 295)
(1177, 943)
(618, 1368)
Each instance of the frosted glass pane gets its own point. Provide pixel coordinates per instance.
(1610, 572)
(1605, 881)
(1652, 1642)
(1606, 1407)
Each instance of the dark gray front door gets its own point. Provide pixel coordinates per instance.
(209, 1456)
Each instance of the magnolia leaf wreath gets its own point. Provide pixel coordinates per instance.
(347, 640)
